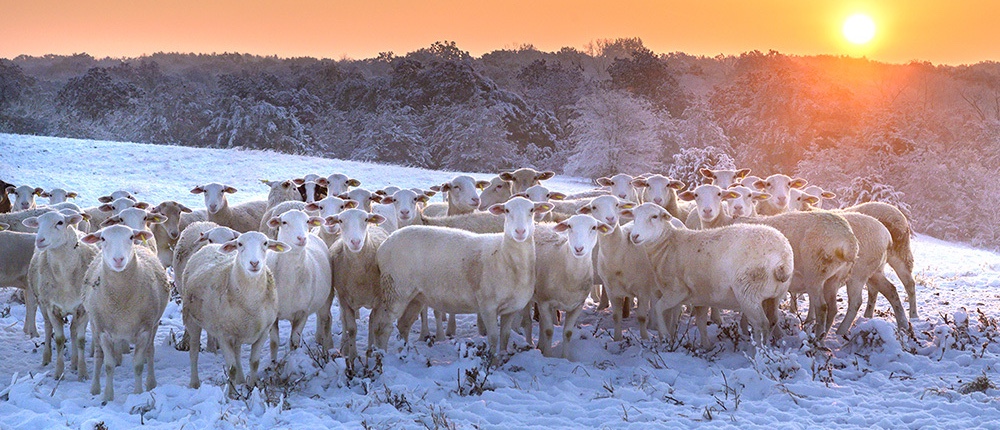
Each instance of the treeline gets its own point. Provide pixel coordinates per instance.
(925, 137)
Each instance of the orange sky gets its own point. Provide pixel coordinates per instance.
(940, 31)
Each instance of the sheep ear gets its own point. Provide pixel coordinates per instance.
(202, 237)
(312, 206)
(343, 196)
(287, 184)
(604, 227)
(85, 216)
(91, 238)
(375, 198)
(184, 209)
(728, 195)
(626, 214)
(742, 173)
(507, 176)
(106, 208)
(298, 181)
(640, 183)
(798, 183)
(156, 209)
(276, 246)
(604, 182)
(428, 193)
(30, 222)
(584, 210)
(353, 183)
(315, 221)
(351, 204)
(675, 184)
(266, 182)
(385, 200)
(626, 205)
(481, 185)
(45, 194)
(555, 195)
(141, 205)
(381, 193)
(561, 227)
(810, 199)
(10, 189)
(760, 185)
(375, 219)
(274, 222)
(229, 247)
(497, 209)
(142, 235)
(322, 182)
(4, 226)
(229, 190)
(828, 195)
(156, 219)
(686, 196)
(544, 175)
(332, 220)
(543, 207)
(760, 196)
(423, 198)
(443, 187)
(195, 190)
(707, 173)
(110, 221)
(38, 191)
(676, 224)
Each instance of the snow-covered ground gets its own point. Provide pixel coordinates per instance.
(869, 379)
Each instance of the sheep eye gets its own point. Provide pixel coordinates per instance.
(720, 194)
(654, 216)
(102, 239)
(59, 223)
(506, 211)
(594, 228)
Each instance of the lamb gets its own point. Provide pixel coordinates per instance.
(16, 249)
(497, 191)
(564, 274)
(743, 267)
(778, 187)
(525, 177)
(356, 274)
(406, 204)
(330, 205)
(165, 234)
(746, 204)
(662, 190)
(724, 178)
(364, 198)
(621, 186)
(623, 267)
(462, 194)
(242, 218)
(24, 197)
(749, 180)
(272, 232)
(230, 292)
(5, 205)
(302, 278)
(498, 279)
(58, 195)
(709, 212)
(56, 277)
(339, 183)
(127, 291)
(138, 219)
(828, 200)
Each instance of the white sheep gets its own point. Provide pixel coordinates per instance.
(242, 218)
(778, 187)
(24, 197)
(746, 204)
(330, 205)
(281, 191)
(497, 279)
(101, 213)
(524, 177)
(661, 190)
(138, 219)
(564, 275)
(229, 292)
(16, 249)
(301, 276)
(56, 278)
(741, 267)
(497, 191)
(165, 234)
(407, 206)
(621, 186)
(356, 274)
(828, 200)
(127, 291)
(115, 196)
(462, 196)
(709, 212)
(724, 178)
(339, 183)
(364, 198)
(277, 210)
(58, 195)
(749, 180)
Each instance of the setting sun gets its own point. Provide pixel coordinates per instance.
(859, 29)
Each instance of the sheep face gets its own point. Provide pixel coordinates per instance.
(621, 186)
(749, 181)
(331, 205)
(581, 233)
(405, 203)
(778, 187)
(538, 193)
(293, 227)
(115, 196)
(525, 177)
(518, 214)
(709, 199)
(339, 183)
(281, 190)
(496, 191)
(606, 209)
(463, 191)
(743, 205)
(820, 193)
(135, 218)
(172, 211)
(57, 195)
(388, 191)
(215, 195)
(801, 201)
(120, 204)
(659, 188)
(651, 221)
(311, 187)
(24, 197)
(52, 228)
(251, 251)
(354, 226)
(724, 178)
(218, 235)
(363, 197)
(117, 244)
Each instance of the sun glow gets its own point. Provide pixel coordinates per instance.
(859, 29)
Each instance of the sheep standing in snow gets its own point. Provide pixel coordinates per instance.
(127, 291)
(356, 273)
(330, 205)
(564, 275)
(462, 196)
(339, 183)
(724, 178)
(778, 187)
(56, 277)
(302, 277)
(192, 239)
(138, 219)
(58, 195)
(496, 279)
(242, 218)
(281, 191)
(524, 177)
(661, 190)
(165, 234)
(24, 197)
(311, 187)
(16, 249)
(742, 267)
(496, 191)
(229, 291)
(621, 186)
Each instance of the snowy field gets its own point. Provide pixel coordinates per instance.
(941, 377)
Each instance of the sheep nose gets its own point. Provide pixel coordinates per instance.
(254, 264)
(119, 260)
(579, 249)
(621, 196)
(475, 201)
(707, 211)
(657, 200)
(356, 242)
(404, 212)
(635, 237)
(611, 219)
(301, 239)
(519, 231)
(212, 208)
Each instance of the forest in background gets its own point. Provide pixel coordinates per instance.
(925, 137)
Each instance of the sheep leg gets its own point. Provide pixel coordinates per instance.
(452, 325)
(407, 319)
(642, 318)
(605, 301)
(904, 271)
(492, 332)
(771, 311)
(274, 343)
(546, 328)
(882, 285)
(617, 303)
(324, 325)
(425, 329)
(716, 316)
(255, 348)
(95, 386)
(627, 306)
(232, 361)
(569, 327)
(793, 305)
(481, 325)
(755, 314)
(295, 339)
(831, 308)
(440, 321)
(348, 337)
(47, 346)
(60, 339)
(31, 308)
(872, 298)
(854, 300)
(195, 331)
(657, 313)
(142, 342)
(506, 321)
(817, 302)
(527, 326)
(701, 318)
(108, 349)
(78, 331)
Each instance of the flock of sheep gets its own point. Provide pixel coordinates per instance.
(494, 248)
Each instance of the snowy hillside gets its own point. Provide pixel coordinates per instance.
(869, 379)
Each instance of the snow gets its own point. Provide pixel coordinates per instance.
(869, 379)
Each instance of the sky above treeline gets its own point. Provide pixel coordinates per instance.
(942, 32)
